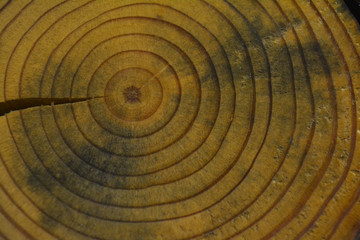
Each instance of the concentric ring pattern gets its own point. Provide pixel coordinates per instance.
(192, 120)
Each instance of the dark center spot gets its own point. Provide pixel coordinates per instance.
(132, 94)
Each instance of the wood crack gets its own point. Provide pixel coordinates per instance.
(24, 103)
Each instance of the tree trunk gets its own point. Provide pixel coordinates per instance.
(179, 119)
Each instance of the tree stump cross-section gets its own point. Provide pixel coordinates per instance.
(159, 119)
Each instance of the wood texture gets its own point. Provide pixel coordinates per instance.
(179, 120)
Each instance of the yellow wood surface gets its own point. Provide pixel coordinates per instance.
(181, 119)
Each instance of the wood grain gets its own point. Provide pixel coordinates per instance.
(179, 120)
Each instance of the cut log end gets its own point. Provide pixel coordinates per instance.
(179, 120)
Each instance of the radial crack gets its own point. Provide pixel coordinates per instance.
(24, 103)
